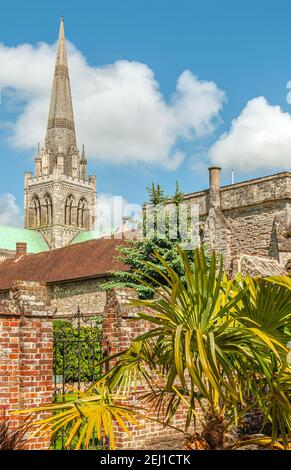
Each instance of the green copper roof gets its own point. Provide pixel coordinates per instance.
(93, 235)
(85, 236)
(9, 236)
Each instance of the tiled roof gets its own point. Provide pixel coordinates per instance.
(94, 258)
(9, 236)
(85, 236)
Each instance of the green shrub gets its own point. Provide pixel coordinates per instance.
(74, 351)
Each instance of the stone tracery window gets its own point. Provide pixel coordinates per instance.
(48, 210)
(36, 211)
(69, 206)
(81, 216)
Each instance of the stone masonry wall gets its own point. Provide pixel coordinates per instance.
(254, 231)
(121, 326)
(254, 218)
(4, 254)
(66, 296)
(26, 351)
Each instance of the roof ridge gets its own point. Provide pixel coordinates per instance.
(92, 259)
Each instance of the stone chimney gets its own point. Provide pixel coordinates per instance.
(21, 249)
(214, 186)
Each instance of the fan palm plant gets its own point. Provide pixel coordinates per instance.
(211, 339)
(91, 415)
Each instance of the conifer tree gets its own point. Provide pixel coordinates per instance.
(135, 252)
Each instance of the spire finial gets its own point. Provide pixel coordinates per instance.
(83, 159)
(61, 42)
(38, 151)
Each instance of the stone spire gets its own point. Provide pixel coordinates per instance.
(60, 135)
(59, 198)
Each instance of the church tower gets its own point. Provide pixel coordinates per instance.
(59, 198)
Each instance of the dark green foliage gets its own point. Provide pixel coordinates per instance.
(138, 251)
(253, 422)
(134, 255)
(156, 194)
(68, 342)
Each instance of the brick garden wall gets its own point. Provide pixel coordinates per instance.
(26, 351)
(120, 329)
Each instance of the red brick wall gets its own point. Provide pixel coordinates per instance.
(120, 328)
(26, 351)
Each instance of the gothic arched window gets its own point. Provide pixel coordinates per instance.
(81, 213)
(48, 210)
(35, 211)
(69, 205)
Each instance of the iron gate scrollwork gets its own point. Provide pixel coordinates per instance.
(76, 361)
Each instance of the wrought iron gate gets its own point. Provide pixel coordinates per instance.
(76, 362)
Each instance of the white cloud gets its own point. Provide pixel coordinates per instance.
(260, 138)
(195, 104)
(121, 114)
(10, 213)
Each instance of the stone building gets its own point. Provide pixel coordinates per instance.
(59, 198)
(73, 274)
(248, 222)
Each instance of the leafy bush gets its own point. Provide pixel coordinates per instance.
(76, 354)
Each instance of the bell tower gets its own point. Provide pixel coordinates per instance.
(59, 198)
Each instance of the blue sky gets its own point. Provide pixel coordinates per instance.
(243, 47)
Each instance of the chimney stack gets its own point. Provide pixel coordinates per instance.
(21, 249)
(214, 185)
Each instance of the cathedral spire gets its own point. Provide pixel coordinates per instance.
(60, 199)
(60, 135)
